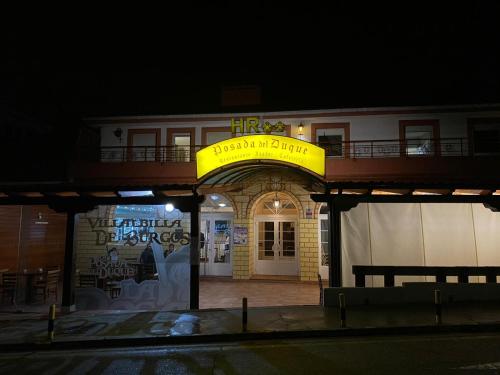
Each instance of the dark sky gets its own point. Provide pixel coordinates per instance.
(87, 63)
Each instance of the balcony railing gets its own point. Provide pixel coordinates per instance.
(121, 154)
(398, 148)
(443, 147)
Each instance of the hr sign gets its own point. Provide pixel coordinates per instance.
(253, 124)
(261, 147)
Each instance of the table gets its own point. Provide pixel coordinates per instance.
(440, 272)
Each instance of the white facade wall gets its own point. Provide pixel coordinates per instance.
(362, 127)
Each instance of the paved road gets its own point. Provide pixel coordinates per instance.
(432, 354)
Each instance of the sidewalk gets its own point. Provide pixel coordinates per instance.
(120, 328)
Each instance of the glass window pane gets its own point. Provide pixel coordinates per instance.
(419, 139)
(332, 144)
(222, 241)
(133, 257)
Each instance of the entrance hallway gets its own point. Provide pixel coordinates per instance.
(227, 293)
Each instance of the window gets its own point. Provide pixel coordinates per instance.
(324, 235)
(215, 134)
(180, 143)
(143, 144)
(334, 138)
(324, 228)
(331, 143)
(182, 147)
(419, 137)
(484, 136)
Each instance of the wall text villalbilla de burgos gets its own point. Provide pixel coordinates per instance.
(134, 231)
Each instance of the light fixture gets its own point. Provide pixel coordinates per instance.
(301, 129)
(222, 205)
(142, 193)
(276, 202)
(169, 207)
(41, 220)
(118, 134)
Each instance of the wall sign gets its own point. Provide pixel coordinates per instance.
(261, 147)
(240, 236)
(245, 125)
(135, 231)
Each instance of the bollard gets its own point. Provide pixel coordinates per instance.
(52, 318)
(438, 306)
(342, 310)
(244, 314)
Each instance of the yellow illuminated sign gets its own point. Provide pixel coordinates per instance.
(261, 147)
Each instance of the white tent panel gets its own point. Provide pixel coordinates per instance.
(487, 229)
(355, 242)
(449, 235)
(429, 234)
(396, 237)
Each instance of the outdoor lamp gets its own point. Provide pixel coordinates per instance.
(301, 129)
(118, 134)
(276, 202)
(169, 207)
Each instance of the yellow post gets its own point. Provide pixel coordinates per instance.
(52, 318)
(244, 315)
(342, 310)
(438, 307)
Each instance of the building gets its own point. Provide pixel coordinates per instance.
(296, 194)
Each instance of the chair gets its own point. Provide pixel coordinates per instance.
(88, 281)
(113, 287)
(48, 285)
(8, 287)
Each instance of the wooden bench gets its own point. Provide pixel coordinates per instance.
(440, 272)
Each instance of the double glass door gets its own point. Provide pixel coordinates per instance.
(276, 252)
(215, 254)
(323, 246)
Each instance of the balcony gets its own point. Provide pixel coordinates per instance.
(436, 160)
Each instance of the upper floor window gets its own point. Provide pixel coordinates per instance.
(143, 144)
(419, 137)
(211, 135)
(484, 135)
(332, 137)
(181, 143)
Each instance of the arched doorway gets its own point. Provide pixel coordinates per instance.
(276, 235)
(216, 227)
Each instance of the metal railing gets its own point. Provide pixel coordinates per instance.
(390, 148)
(162, 154)
(371, 149)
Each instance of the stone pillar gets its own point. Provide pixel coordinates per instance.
(308, 247)
(241, 264)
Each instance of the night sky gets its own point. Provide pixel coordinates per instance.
(128, 62)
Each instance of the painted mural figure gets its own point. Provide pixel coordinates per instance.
(147, 256)
(113, 255)
(170, 250)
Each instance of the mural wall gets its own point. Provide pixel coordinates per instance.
(133, 257)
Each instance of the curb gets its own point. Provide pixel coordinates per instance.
(249, 336)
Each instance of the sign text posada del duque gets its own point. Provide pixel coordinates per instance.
(261, 147)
